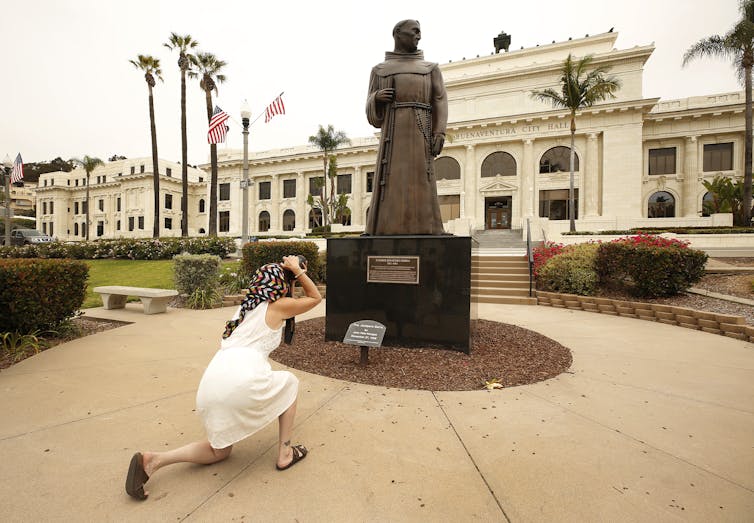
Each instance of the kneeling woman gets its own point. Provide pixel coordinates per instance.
(239, 392)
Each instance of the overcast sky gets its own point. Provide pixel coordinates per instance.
(69, 90)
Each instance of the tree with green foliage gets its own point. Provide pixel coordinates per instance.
(726, 196)
(89, 163)
(337, 205)
(151, 68)
(581, 85)
(183, 44)
(207, 67)
(737, 45)
(327, 140)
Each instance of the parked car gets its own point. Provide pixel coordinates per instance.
(28, 237)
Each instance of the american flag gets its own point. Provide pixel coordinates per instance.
(276, 107)
(217, 127)
(18, 170)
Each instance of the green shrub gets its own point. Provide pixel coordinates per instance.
(194, 272)
(257, 254)
(203, 299)
(649, 270)
(232, 278)
(40, 294)
(124, 248)
(572, 271)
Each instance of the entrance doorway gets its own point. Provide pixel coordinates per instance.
(498, 215)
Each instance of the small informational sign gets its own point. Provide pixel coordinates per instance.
(366, 333)
(393, 269)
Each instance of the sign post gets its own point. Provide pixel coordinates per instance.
(365, 334)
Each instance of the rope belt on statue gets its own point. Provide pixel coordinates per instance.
(423, 113)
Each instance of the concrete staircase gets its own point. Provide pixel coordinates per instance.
(499, 278)
(508, 239)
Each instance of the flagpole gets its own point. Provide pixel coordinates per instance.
(260, 114)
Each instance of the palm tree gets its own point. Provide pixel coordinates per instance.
(88, 163)
(578, 89)
(208, 68)
(738, 45)
(151, 68)
(183, 44)
(327, 140)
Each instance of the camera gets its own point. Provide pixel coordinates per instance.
(301, 261)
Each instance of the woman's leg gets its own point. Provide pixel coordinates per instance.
(285, 428)
(197, 452)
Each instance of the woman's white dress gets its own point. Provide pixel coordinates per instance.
(239, 392)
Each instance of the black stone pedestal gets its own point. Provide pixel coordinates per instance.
(434, 311)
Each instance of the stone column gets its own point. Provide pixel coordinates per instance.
(526, 192)
(301, 191)
(357, 197)
(690, 183)
(590, 177)
(469, 187)
(275, 219)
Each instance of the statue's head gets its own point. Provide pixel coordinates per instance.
(406, 35)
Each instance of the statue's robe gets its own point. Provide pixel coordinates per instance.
(404, 192)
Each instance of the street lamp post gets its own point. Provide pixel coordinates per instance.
(245, 116)
(7, 166)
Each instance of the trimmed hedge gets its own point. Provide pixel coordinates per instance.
(194, 272)
(260, 253)
(660, 230)
(130, 249)
(571, 271)
(40, 294)
(649, 270)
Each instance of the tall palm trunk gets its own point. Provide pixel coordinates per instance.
(155, 168)
(86, 225)
(213, 176)
(325, 209)
(747, 143)
(184, 158)
(571, 195)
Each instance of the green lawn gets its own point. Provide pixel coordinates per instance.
(134, 273)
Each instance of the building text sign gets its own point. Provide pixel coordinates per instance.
(393, 269)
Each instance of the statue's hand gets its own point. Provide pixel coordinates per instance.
(385, 95)
(438, 141)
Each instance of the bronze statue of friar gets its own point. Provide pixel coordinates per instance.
(407, 101)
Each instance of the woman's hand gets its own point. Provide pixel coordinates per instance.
(292, 264)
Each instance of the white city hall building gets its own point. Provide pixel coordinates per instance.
(639, 161)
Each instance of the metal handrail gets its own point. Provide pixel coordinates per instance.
(529, 255)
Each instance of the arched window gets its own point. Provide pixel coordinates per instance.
(661, 205)
(315, 218)
(447, 168)
(201, 205)
(289, 220)
(708, 205)
(558, 159)
(345, 217)
(499, 163)
(264, 221)
(202, 231)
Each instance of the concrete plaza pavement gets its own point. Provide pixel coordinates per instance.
(651, 423)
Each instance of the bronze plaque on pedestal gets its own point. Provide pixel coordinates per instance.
(393, 269)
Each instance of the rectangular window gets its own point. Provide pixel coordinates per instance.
(84, 207)
(201, 179)
(168, 223)
(662, 161)
(264, 190)
(554, 204)
(315, 185)
(370, 181)
(344, 184)
(450, 207)
(44, 227)
(100, 228)
(169, 171)
(77, 182)
(104, 179)
(118, 204)
(52, 204)
(75, 207)
(224, 192)
(44, 207)
(168, 201)
(141, 168)
(718, 157)
(224, 225)
(130, 223)
(133, 169)
(289, 188)
(98, 179)
(101, 204)
(117, 225)
(52, 182)
(141, 222)
(51, 233)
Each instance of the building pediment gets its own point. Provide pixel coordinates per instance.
(498, 184)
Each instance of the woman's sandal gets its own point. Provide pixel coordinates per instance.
(299, 453)
(136, 477)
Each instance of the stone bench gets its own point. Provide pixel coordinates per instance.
(154, 300)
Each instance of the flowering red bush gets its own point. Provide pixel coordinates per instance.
(651, 240)
(544, 252)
